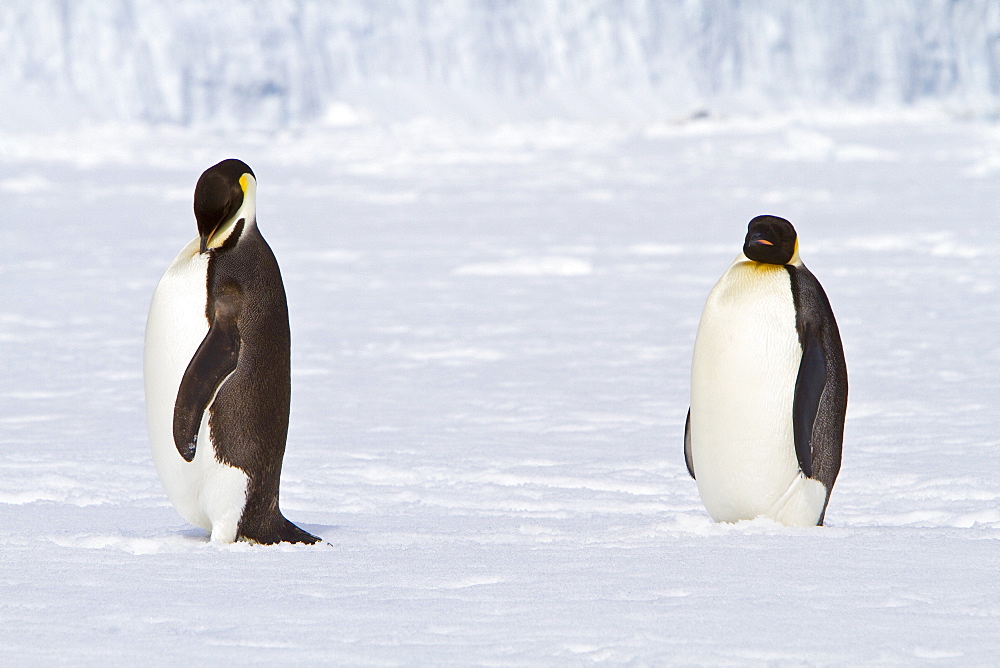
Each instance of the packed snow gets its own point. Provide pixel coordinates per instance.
(492, 326)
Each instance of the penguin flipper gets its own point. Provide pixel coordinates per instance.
(809, 386)
(687, 445)
(213, 362)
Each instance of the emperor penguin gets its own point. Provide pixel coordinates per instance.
(765, 428)
(217, 370)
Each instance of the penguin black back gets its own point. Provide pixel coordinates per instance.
(250, 413)
(820, 406)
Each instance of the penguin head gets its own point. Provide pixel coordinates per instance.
(771, 240)
(226, 194)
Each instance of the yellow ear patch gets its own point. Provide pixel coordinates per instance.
(243, 183)
(796, 261)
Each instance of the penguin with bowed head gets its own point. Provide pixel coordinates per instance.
(765, 427)
(217, 370)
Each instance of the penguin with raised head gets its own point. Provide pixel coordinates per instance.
(768, 387)
(217, 370)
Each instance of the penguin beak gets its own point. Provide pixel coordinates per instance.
(763, 242)
(206, 238)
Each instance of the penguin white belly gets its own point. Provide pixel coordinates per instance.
(746, 360)
(206, 492)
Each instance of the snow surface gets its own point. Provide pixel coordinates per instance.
(497, 225)
(492, 332)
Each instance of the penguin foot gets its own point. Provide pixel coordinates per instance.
(280, 531)
(293, 534)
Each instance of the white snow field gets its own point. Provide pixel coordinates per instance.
(492, 333)
(494, 289)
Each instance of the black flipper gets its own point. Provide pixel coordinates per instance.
(214, 360)
(809, 386)
(687, 445)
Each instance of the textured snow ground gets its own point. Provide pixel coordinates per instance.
(492, 331)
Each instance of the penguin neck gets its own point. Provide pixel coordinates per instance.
(238, 225)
